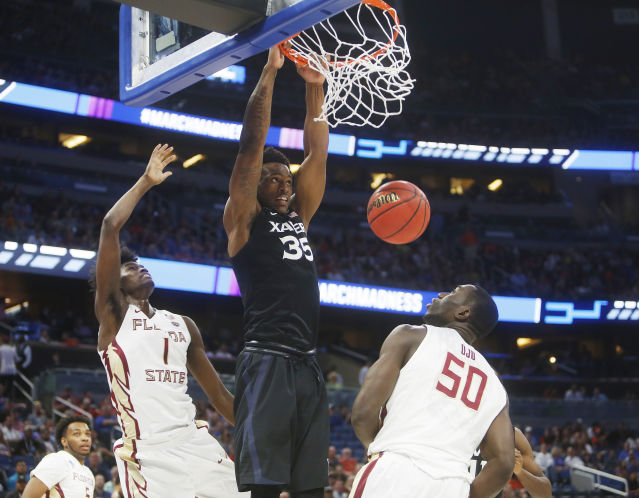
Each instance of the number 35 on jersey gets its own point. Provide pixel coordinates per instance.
(294, 248)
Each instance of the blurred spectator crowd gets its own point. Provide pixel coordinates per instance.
(27, 434)
(452, 251)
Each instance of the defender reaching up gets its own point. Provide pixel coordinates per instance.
(146, 352)
(282, 432)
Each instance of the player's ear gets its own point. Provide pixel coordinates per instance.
(462, 313)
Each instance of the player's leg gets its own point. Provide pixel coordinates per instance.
(264, 407)
(146, 472)
(312, 431)
(388, 474)
(210, 468)
(132, 481)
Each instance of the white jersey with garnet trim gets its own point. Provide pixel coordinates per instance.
(445, 399)
(64, 476)
(147, 374)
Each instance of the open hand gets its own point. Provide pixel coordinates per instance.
(162, 156)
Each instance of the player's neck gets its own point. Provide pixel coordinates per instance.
(143, 304)
(465, 334)
(79, 457)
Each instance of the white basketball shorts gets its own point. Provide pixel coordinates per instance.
(189, 464)
(390, 474)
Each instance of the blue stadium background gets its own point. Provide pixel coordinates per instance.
(542, 95)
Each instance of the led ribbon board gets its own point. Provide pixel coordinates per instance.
(48, 99)
(220, 280)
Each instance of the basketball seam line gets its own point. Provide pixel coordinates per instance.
(407, 222)
(424, 222)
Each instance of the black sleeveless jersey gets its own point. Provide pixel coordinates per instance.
(278, 282)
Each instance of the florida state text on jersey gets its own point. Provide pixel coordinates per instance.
(445, 399)
(147, 374)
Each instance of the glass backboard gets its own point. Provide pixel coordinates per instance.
(160, 56)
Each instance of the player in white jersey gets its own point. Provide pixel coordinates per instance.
(429, 401)
(147, 354)
(63, 474)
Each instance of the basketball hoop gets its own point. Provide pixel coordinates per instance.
(364, 63)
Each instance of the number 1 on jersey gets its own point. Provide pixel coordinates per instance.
(472, 372)
(166, 350)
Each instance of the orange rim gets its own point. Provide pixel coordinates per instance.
(380, 4)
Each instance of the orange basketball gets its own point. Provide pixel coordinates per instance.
(398, 212)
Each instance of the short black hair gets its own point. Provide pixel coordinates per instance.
(273, 155)
(63, 424)
(126, 255)
(484, 314)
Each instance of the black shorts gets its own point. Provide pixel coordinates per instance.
(281, 421)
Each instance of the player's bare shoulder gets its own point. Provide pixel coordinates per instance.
(404, 340)
(110, 319)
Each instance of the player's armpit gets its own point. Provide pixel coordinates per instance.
(498, 448)
(379, 384)
(35, 488)
(203, 371)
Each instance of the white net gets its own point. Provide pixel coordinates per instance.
(367, 55)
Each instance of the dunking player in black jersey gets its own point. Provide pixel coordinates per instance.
(281, 413)
(527, 471)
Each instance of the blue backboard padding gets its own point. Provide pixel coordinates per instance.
(267, 33)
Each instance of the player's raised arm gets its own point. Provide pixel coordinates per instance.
(528, 471)
(242, 205)
(108, 307)
(379, 384)
(310, 180)
(498, 448)
(201, 368)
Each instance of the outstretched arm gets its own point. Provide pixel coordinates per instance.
(201, 368)
(310, 180)
(242, 205)
(107, 272)
(379, 384)
(528, 471)
(498, 448)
